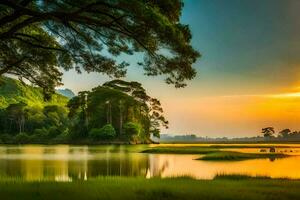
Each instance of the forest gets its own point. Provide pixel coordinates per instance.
(115, 112)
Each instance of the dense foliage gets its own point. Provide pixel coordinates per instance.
(38, 38)
(13, 91)
(107, 132)
(125, 106)
(283, 135)
(118, 111)
(26, 118)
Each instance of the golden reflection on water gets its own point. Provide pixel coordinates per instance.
(185, 165)
(67, 163)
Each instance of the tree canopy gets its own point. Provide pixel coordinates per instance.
(268, 131)
(124, 105)
(39, 38)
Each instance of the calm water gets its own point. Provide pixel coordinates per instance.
(67, 163)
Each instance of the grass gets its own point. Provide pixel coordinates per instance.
(237, 156)
(113, 188)
(238, 177)
(214, 152)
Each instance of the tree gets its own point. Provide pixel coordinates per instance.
(294, 135)
(35, 118)
(285, 133)
(38, 38)
(268, 132)
(56, 121)
(16, 114)
(78, 104)
(109, 106)
(78, 115)
(150, 108)
(131, 128)
(22, 138)
(117, 103)
(121, 110)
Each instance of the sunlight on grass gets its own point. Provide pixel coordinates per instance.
(237, 156)
(152, 189)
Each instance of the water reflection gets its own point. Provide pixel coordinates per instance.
(185, 165)
(67, 163)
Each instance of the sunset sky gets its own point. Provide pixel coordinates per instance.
(248, 76)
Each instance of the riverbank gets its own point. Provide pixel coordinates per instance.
(114, 188)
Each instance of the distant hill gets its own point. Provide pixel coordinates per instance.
(66, 92)
(14, 91)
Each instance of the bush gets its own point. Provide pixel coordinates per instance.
(22, 138)
(104, 133)
(40, 131)
(95, 133)
(62, 138)
(131, 128)
(78, 131)
(6, 138)
(39, 135)
(53, 132)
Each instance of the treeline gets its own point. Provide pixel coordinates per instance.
(117, 111)
(21, 123)
(269, 133)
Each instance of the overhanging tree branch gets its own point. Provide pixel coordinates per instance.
(38, 45)
(12, 65)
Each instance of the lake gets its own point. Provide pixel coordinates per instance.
(67, 163)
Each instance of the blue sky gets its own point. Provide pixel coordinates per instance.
(250, 48)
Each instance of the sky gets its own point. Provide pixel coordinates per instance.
(247, 78)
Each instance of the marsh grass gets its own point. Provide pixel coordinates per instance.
(112, 188)
(244, 177)
(213, 153)
(238, 156)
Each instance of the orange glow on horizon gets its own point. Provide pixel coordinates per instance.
(231, 115)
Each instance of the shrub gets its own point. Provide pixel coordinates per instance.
(53, 132)
(104, 133)
(95, 133)
(39, 135)
(40, 131)
(6, 138)
(61, 138)
(131, 128)
(22, 138)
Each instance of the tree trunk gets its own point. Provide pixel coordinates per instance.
(121, 121)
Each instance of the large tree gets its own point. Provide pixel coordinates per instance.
(38, 38)
(268, 132)
(151, 107)
(124, 105)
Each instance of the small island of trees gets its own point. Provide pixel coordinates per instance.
(116, 112)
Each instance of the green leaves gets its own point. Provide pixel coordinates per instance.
(105, 133)
(40, 38)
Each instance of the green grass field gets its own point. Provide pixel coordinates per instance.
(112, 188)
(237, 156)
